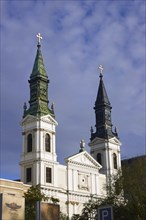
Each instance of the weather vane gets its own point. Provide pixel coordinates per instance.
(39, 38)
(101, 69)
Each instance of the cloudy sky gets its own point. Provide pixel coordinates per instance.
(78, 36)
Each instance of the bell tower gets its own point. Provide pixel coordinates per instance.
(38, 157)
(104, 143)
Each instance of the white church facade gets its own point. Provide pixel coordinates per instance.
(84, 174)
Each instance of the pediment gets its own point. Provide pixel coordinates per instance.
(98, 141)
(28, 119)
(48, 118)
(114, 140)
(83, 159)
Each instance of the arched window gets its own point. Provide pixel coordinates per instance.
(29, 143)
(115, 160)
(47, 142)
(99, 159)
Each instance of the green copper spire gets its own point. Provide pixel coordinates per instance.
(38, 68)
(38, 88)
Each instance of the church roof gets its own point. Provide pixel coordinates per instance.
(102, 97)
(39, 68)
(38, 88)
(103, 113)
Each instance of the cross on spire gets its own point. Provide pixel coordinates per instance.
(101, 69)
(39, 37)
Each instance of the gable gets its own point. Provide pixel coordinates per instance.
(28, 119)
(114, 140)
(83, 159)
(48, 118)
(98, 141)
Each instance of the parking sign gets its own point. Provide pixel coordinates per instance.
(105, 213)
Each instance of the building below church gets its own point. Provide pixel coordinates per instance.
(84, 175)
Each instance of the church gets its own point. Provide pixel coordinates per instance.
(85, 174)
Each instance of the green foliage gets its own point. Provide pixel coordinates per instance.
(33, 195)
(126, 193)
(55, 200)
(134, 185)
(63, 216)
(75, 217)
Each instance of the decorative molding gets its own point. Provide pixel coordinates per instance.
(78, 160)
(72, 203)
(38, 129)
(49, 119)
(28, 119)
(83, 181)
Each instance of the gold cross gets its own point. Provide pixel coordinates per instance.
(39, 37)
(101, 69)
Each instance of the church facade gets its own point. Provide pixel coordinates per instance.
(84, 174)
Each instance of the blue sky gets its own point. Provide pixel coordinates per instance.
(78, 36)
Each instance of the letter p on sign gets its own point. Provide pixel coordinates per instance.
(105, 213)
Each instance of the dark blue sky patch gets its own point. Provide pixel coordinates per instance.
(18, 11)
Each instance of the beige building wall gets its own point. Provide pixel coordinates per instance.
(13, 203)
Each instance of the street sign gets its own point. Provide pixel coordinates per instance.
(105, 213)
